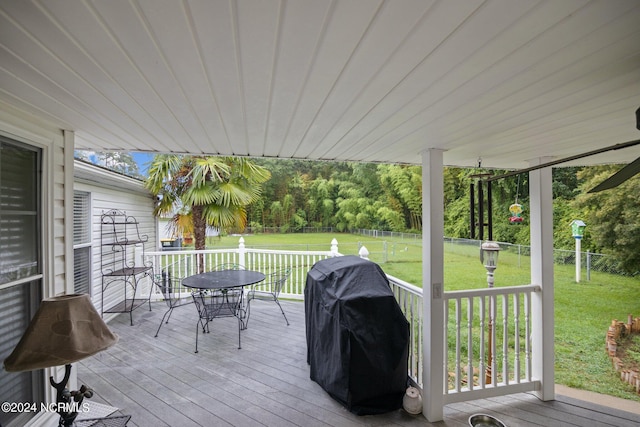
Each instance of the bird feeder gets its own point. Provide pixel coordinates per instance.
(577, 228)
(516, 213)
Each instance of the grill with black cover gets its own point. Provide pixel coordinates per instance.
(357, 335)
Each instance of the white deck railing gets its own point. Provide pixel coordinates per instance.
(487, 345)
(487, 342)
(181, 264)
(409, 298)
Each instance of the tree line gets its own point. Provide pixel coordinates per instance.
(350, 196)
(293, 194)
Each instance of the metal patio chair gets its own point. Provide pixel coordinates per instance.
(218, 303)
(170, 288)
(227, 266)
(212, 304)
(235, 292)
(269, 290)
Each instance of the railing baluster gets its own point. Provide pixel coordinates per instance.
(492, 331)
(505, 339)
(470, 343)
(516, 331)
(527, 343)
(457, 378)
(482, 368)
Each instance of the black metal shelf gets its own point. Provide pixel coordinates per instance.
(128, 271)
(119, 236)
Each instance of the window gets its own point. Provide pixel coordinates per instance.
(20, 267)
(82, 242)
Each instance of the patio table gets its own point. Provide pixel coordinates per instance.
(223, 279)
(222, 284)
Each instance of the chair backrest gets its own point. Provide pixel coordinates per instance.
(166, 284)
(211, 304)
(277, 279)
(228, 266)
(170, 288)
(199, 298)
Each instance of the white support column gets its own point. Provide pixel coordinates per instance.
(432, 283)
(541, 201)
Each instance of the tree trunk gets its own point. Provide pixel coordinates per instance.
(199, 234)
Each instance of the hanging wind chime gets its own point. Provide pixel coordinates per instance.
(516, 208)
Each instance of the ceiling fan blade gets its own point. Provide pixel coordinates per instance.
(619, 177)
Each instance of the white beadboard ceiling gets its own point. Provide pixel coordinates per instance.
(506, 81)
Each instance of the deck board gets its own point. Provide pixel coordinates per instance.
(162, 382)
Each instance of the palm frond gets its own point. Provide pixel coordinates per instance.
(233, 194)
(208, 169)
(161, 170)
(225, 217)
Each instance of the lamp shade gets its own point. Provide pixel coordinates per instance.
(65, 329)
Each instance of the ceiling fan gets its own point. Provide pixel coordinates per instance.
(623, 174)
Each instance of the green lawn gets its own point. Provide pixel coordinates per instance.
(583, 311)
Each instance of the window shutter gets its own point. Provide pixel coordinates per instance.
(81, 218)
(82, 242)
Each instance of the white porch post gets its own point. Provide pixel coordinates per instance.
(241, 253)
(432, 283)
(334, 247)
(541, 197)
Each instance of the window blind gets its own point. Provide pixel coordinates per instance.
(19, 259)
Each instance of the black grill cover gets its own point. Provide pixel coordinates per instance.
(357, 336)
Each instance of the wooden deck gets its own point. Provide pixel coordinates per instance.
(162, 382)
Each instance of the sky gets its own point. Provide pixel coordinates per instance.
(142, 159)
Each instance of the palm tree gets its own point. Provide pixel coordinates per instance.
(204, 191)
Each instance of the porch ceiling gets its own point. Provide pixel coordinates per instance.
(354, 80)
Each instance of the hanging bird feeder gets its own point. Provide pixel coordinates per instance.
(516, 213)
(516, 208)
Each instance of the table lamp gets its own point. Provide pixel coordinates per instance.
(65, 329)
